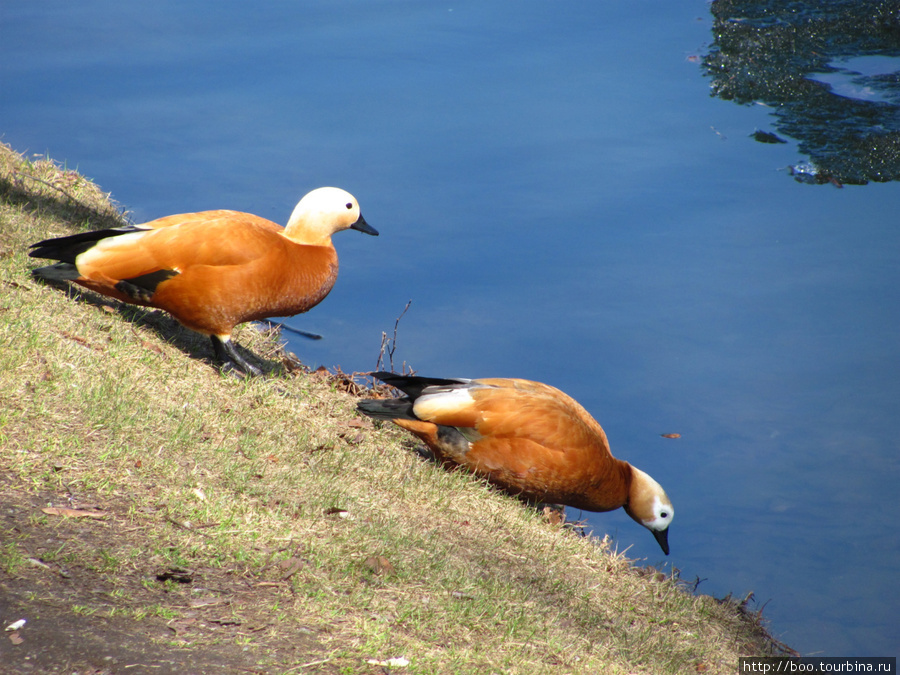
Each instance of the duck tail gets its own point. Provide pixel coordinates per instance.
(413, 385)
(387, 408)
(66, 249)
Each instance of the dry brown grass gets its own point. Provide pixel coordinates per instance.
(308, 539)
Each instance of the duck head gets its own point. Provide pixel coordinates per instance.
(649, 505)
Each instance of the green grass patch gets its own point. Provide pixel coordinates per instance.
(253, 513)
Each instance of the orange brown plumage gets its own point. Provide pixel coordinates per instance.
(528, 438)
(213, 270)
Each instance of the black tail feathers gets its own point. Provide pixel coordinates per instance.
(387, 408)
(401, 408)
(412, 385)
(66, 249)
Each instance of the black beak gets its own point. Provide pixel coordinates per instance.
(363, 226)
(662, 536)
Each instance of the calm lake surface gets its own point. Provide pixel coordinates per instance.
(562, 200)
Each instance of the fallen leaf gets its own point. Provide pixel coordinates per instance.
(152, 347)
(321, 373)
(378, 564)
(16, 639)
(291, 362)
(290, 567)
(73, 513)
(81, 341)
(554, 514)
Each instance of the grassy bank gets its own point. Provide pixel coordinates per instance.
(218, 525)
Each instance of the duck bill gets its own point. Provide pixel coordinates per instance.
(662, 537)
(363, 226)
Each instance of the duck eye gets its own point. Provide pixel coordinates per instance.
(663, 515)
(349, 205)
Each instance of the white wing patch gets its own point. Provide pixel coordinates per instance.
(446, 402)
(105, 246)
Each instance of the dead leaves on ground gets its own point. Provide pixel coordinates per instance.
(14, 637)
(353, 429)
(340, 380)
(379, 565)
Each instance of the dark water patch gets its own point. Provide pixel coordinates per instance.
(778, 53)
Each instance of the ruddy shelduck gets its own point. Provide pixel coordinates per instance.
(213, 270)
(527, 438)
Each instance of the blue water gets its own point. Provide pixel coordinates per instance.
(562, 200)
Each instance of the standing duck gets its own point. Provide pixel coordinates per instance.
(213, 270)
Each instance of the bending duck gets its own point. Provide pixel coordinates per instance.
(528, 438)
(213, 270)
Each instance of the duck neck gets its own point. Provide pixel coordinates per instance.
(612, 490)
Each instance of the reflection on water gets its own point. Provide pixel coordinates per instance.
(780, 54)
(563, 201)
(857, 78)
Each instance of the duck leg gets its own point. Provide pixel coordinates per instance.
(229, 360)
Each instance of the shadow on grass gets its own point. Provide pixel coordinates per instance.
(54, 197)
(189, 342)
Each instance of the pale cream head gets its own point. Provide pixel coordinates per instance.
(323, 212)
(649, 505)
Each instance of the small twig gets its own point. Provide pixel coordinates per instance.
(308, 665)
(380, 361)
(397, 325)
(385, 341)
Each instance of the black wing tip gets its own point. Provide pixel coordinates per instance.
(386, 408)
(69, 247)
(143, 287)
(412, 385)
